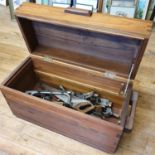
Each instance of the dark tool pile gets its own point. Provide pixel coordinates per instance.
(89, 103)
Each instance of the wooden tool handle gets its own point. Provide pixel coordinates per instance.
(84, 107)
(77, 11)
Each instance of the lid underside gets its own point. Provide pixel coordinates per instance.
(83, 47)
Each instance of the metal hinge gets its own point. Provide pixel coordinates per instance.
(129, 78)
(110, 75)
(47, 58)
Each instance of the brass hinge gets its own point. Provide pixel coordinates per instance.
(47, 58)
(110, 75)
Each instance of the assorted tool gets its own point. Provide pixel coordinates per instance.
(90, 102)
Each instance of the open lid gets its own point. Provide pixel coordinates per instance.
(100, 42)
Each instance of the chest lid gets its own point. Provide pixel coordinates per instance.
(114, 45)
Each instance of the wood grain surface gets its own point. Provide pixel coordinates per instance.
(123, 26)
(75, 45)
(101, 134)
(20, 137)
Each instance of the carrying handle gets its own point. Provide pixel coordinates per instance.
(77, 11)
(130, 118)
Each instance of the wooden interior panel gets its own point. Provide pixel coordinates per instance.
(56, 81)
(99, 44)
(24, 79)
(87, 61)
(98, 50)
(28, 33)
(82, 75)
(89, 49)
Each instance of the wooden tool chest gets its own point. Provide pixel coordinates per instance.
(100, 53)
